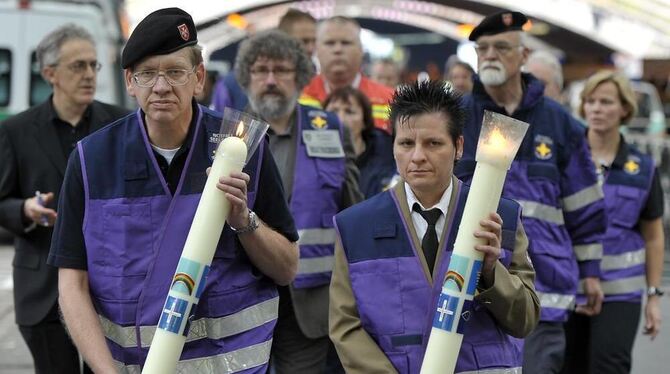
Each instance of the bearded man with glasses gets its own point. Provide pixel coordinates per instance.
(129, 197)
(316, 161)
(552, 178)
(34, 147)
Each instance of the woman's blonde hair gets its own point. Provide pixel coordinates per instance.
(626, 93)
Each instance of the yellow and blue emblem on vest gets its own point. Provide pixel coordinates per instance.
(543, 147)
(632, 166)
(318, 119)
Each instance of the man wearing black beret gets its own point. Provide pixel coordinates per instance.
(129, 196)
(552, 178)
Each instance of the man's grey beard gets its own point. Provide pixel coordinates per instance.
(273, 107)
(492, 77)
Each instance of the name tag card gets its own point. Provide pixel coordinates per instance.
(323, 143)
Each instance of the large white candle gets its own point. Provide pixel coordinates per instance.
(189, 279)
(495, 153)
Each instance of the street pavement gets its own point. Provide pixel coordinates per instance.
(648, 357)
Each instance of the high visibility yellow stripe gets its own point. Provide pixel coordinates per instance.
(310, 101)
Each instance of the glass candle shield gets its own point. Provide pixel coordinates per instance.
(244, 126)
(499, 139)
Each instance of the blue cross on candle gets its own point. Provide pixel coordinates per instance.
(173, 314)
(445, 312)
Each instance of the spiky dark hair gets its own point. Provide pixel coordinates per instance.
(425, 97)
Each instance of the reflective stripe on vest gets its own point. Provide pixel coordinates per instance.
(585, 197)
(316, 265)
(543, 212)
(231, 362)
(316, 237)
(212, 328)
(624, 260)
(555, 300)
(588, 252)
(620, 286)
(516, 370)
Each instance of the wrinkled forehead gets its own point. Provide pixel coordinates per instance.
(338, 30)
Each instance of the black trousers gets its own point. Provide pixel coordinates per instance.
(602, 344)
(544, 348)
(52, 349)
(293, 352)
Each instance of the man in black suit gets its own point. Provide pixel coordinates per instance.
(34, 147)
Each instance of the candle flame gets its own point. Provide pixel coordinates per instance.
(497, 139)
(240, 129)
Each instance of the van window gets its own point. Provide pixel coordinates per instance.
(5, 76)
(39, 88)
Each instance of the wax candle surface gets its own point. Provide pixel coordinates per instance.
(189, 279)
(495, 153)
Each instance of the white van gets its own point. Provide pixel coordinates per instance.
(25, 23)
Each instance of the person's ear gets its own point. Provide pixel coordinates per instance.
(49, 74)
(130, 87)
(201, 76)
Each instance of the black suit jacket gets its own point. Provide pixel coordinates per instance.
(31, 159)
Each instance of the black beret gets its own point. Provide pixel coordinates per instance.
(161, 32)
(498, 23)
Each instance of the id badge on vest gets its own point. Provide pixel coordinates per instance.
(323, 143)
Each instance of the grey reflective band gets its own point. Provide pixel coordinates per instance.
(624, 260)
(578, 200)
(123, 336)
(620, 286)
(212, 328)
(231, 362)
(316, 236)
(543, 212)
(588, 252)
(244, 320)
(493, 371)
(555, 300)
(316, 265)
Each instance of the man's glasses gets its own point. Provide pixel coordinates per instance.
(80, 66)
(498, 48)
(174, 77)
(263, 72)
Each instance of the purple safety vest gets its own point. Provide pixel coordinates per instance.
(395, 299)
(552, 177)
(315, 199)
(134, 232)
(626, 187)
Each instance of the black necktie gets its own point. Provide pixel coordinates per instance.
(429, 241)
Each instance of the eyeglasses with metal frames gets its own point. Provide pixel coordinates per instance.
(174, 77)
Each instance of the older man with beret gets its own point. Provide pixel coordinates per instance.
(552, 177)
(128, 199)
